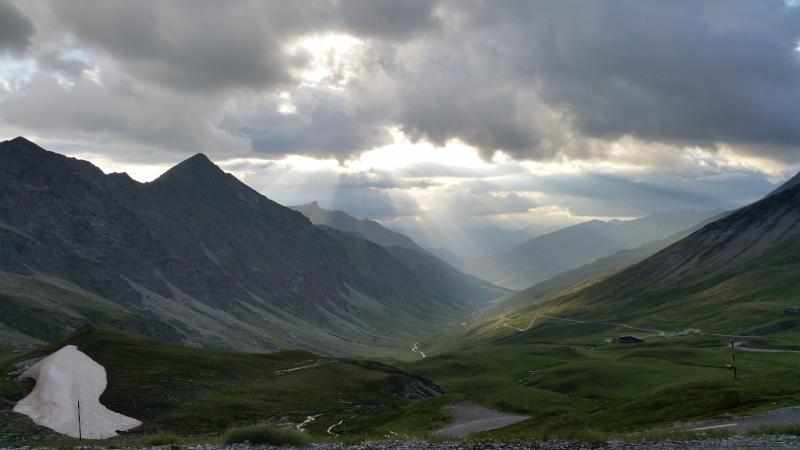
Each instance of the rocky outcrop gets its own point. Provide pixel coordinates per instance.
(413, 387)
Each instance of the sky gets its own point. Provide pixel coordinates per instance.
(435, 117)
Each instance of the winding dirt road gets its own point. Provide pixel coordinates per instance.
(659, 333)
(416, 349)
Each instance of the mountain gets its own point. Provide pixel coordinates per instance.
(548, 255)
(792, 182)
(472, 242)
(199, 258)
(585, 275)
(450, 257)
(440, 271)
(368, 229)
(735, 275)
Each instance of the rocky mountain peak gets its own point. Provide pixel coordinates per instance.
(196, 167)
(789, 184)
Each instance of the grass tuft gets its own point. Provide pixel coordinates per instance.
(267, 434)
(159, 439)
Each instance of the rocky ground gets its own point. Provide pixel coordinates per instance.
(735, 442)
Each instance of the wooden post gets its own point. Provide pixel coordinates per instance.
(735, 375)
(80, 433)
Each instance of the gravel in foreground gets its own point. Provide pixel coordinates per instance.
(734, 442)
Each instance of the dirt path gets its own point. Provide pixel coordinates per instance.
(742, 345)
(473, 418)
(659, 333)
(312, 364)
(416, 350)
(581, 322)
(783, 417)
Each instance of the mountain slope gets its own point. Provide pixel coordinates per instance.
(546, 256)
(210, 391)
(584, 275)
(439, 275)
(368, 229)
(736, 275)
(195, 257)
(789, 184)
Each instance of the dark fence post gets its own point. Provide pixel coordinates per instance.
(80, 433)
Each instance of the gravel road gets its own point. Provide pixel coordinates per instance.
(782, 417)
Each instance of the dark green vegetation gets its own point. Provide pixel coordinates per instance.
(579, 389)
(267, 434)
(548, 353)
(195, 254)
(585, 389)
(200, 393)
(737, 275)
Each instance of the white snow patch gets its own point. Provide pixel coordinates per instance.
(63, 379)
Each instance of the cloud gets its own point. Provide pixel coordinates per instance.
(119, 113)
(58, 62)
(207, 45)
(606, 108)
(535, 79)
(16, 30)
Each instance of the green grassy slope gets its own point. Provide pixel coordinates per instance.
(583, 388)
(201, 392)
(735, 276)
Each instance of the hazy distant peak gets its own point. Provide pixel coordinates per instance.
(369, 229)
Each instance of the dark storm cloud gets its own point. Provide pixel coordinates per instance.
(56, 61)
(187, 45)
(323, 125)
(201, 45)
(696, 72)
(680, 72)
(16, 30)
(536, 79)
(387, 18)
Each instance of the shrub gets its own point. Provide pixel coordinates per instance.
(266, 434)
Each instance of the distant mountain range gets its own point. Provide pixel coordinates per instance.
(587, 274)
(734, 275)
(365, 228)
(548, 255)
(198, 257)
(469, 242)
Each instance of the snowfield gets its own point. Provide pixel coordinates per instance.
(63, 379)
